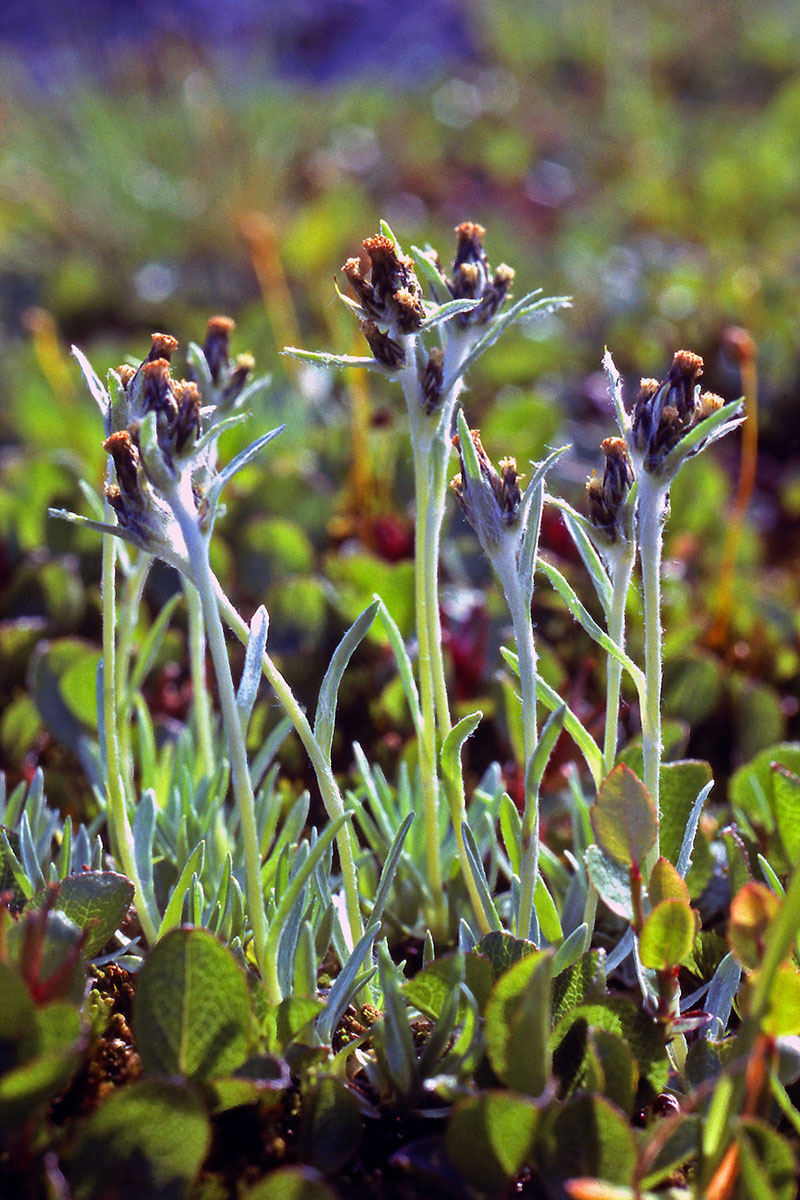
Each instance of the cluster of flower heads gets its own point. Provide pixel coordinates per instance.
(147, 395)
(666, 410)
(390, 298)
(492, 505)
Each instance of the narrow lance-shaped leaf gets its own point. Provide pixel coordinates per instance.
(572, 723)
(615, 390)
(200, 368)
(394, 1042)
(481, 882)
(326, 705)
(687, 845)
(403, 661)
(446, 312)
(251, 672)
(144, 826)
(530, 516)
(389, 233)
(327, 361)
(581, 531)
(451, 762)
(709, 430)
(99, 393)
(192, 867)
(427, 268)
(390, 869)
(236, 464)
(341, 991)
(529, 306)
(579, 612)
(544, 748)
(299, 881)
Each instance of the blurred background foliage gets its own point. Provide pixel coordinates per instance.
(160, 163)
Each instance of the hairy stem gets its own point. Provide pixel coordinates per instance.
(119, 830)
(650, 528)
(526, 652)
(126, 628)
(197, 550)
(329, 789)
(621, 582)
(201, 701)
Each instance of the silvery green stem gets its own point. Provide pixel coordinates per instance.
(182, 506)
(429, 661)
(621, 570)
(506, 569)
(128, 614)
(430, 439)
(329, 789)
(201, 701)
(650, 530)
(119, 830)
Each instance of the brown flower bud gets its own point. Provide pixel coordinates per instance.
(242, 370)
(157, 390)
(681, 378)
(473, 279)
(606, 498)
(217, 346)
(126, 373)
(187, 421)
(125, 455)
(164, 346)
(433, 379)
(385, 349)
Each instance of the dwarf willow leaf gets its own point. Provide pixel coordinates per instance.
(97, 901)
(491, 1137)
(150, 1137)
(518, 1024)
(192, 1012)
(667, 935)
(624, 817)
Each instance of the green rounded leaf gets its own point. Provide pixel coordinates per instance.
(665, 883)
(192, 1013)
(490, 1138)
(331, 1128)
(588, 1136)
(289, 1183)
(634, 1026)
(668, 935)
(503, 950)
(97, 901)
(624, 817)
(766, 1162)
(518, 1024)
(150, 1138)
